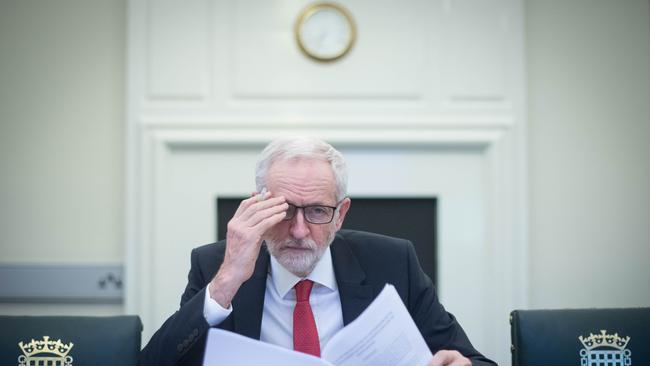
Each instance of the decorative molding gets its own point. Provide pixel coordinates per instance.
(178, 136)
(305, 122)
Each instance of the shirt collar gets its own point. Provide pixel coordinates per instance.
(323, 274)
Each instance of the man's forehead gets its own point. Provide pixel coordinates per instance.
(309, 181)
(301, 164)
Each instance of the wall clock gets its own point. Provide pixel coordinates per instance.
(325, 31)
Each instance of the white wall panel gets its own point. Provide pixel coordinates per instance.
(387, 60)
(178, 45)
(61, 132)
(476, 50)
(431, 62)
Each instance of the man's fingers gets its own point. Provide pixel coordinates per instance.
(441, 358)
(461, 362)
(264, 214)
(257, 207)
(269, 222)
(268, 202)
(255, 200)
(449, 358)
(243, 205)
(241, 230)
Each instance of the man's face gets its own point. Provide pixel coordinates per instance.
(296, 243)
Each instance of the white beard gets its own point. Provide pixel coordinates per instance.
(298, 262)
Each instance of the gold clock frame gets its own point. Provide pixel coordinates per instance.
(308, 12)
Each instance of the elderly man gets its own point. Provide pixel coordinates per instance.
(286, 275)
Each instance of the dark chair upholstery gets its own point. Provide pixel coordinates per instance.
(96, 341)
(581, 337)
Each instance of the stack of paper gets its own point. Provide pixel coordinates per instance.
(383, 335)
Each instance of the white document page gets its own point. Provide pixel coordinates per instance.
(383, 335)
(225, 348)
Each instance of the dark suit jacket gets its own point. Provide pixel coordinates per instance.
(363, 264)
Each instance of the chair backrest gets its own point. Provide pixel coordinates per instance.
(581, 337)
(69, 340)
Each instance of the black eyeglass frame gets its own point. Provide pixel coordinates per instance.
(334, 208)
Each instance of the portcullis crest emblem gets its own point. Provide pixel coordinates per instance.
(605, 350)
(45, 352)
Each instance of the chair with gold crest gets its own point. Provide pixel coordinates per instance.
(69, 340)
(584, 337)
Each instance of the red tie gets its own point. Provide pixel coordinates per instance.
(305, 334)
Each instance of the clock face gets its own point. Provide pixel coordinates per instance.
(325, 31)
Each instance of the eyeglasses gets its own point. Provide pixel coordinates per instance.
(314, 214)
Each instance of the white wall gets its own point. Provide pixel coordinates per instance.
(62, 72)
(589, 134)
(61, 143)
(61, 135)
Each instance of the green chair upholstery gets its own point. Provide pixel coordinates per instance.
(581, 337)
(69, 340)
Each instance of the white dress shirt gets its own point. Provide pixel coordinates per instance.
(280, 299)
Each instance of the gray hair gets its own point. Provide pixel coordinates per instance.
(302, 148)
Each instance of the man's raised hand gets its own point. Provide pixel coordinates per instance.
(252, 219)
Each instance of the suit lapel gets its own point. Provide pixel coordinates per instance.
(355, 297)
(248, 304)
